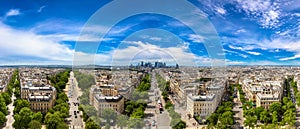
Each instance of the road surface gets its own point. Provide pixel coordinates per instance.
(9, 117)
(73, 94)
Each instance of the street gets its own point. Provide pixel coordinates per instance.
(153, 115)
(73, 94)
(238, 110)
(10, 117)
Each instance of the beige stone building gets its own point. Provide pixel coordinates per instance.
(37, 89)
(107, 96)
(5, 77)
(252, 88)
(201, 105)
(112, 102)
(265, 99)
(41, 102)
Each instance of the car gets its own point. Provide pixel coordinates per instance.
(75, 116)
(153, 123)
(77, 111)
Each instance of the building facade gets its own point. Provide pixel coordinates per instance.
(201, 105)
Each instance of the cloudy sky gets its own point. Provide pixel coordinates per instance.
(251, 32)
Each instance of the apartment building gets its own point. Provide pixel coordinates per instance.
(107, 96)
(254, 87)
(5, 76)
(41, 102)
(266, 99)
(36, 88)
(201, 105)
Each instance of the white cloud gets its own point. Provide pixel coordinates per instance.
(234, 52)
(240, 31)
(13, 12)
(296, 14)
(64, 30)
(246, 49)
(156, 38)
(254, 53)
(243, 55)
(290, 58)
(41, 9)
(22, 43)
(266, 12)
(220, 10)
(196, 38)
(237, 48)
(282, 44)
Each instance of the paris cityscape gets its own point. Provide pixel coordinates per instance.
(159, 64)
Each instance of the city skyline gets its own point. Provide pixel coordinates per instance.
(251, 33)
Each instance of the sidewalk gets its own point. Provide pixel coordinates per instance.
(9, 117)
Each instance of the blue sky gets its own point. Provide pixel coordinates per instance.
(252, 32)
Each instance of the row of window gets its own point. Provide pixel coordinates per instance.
(39, 104)
(203, 104)
(266, 103)
(108, 105)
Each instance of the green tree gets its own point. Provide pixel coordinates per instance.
(250, 112)
(298, 98)
(138, 113)
(90, 110)
(34, 124)
(37, 117)
(276, 106)
(23, 119)
(17, 92)
(6, 98)
(264, 116)
(84, 101)
(250, 121)
(270, 126)
(285, 100)
(274, 117)
(63, 97)
(2, 119)
(180, 125)
(3, 107)
(17, 123)
(258, 111)
(19, 104)
(62, 125)
(129, 108)
(107, 126)
(108, 114)
(174, 121)
(61, 84)
(227, 118)
(213, 119)
(290, 117)
(135, 123)
(90, 124)
(54, 121)
(122, 121)
(290, 106)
